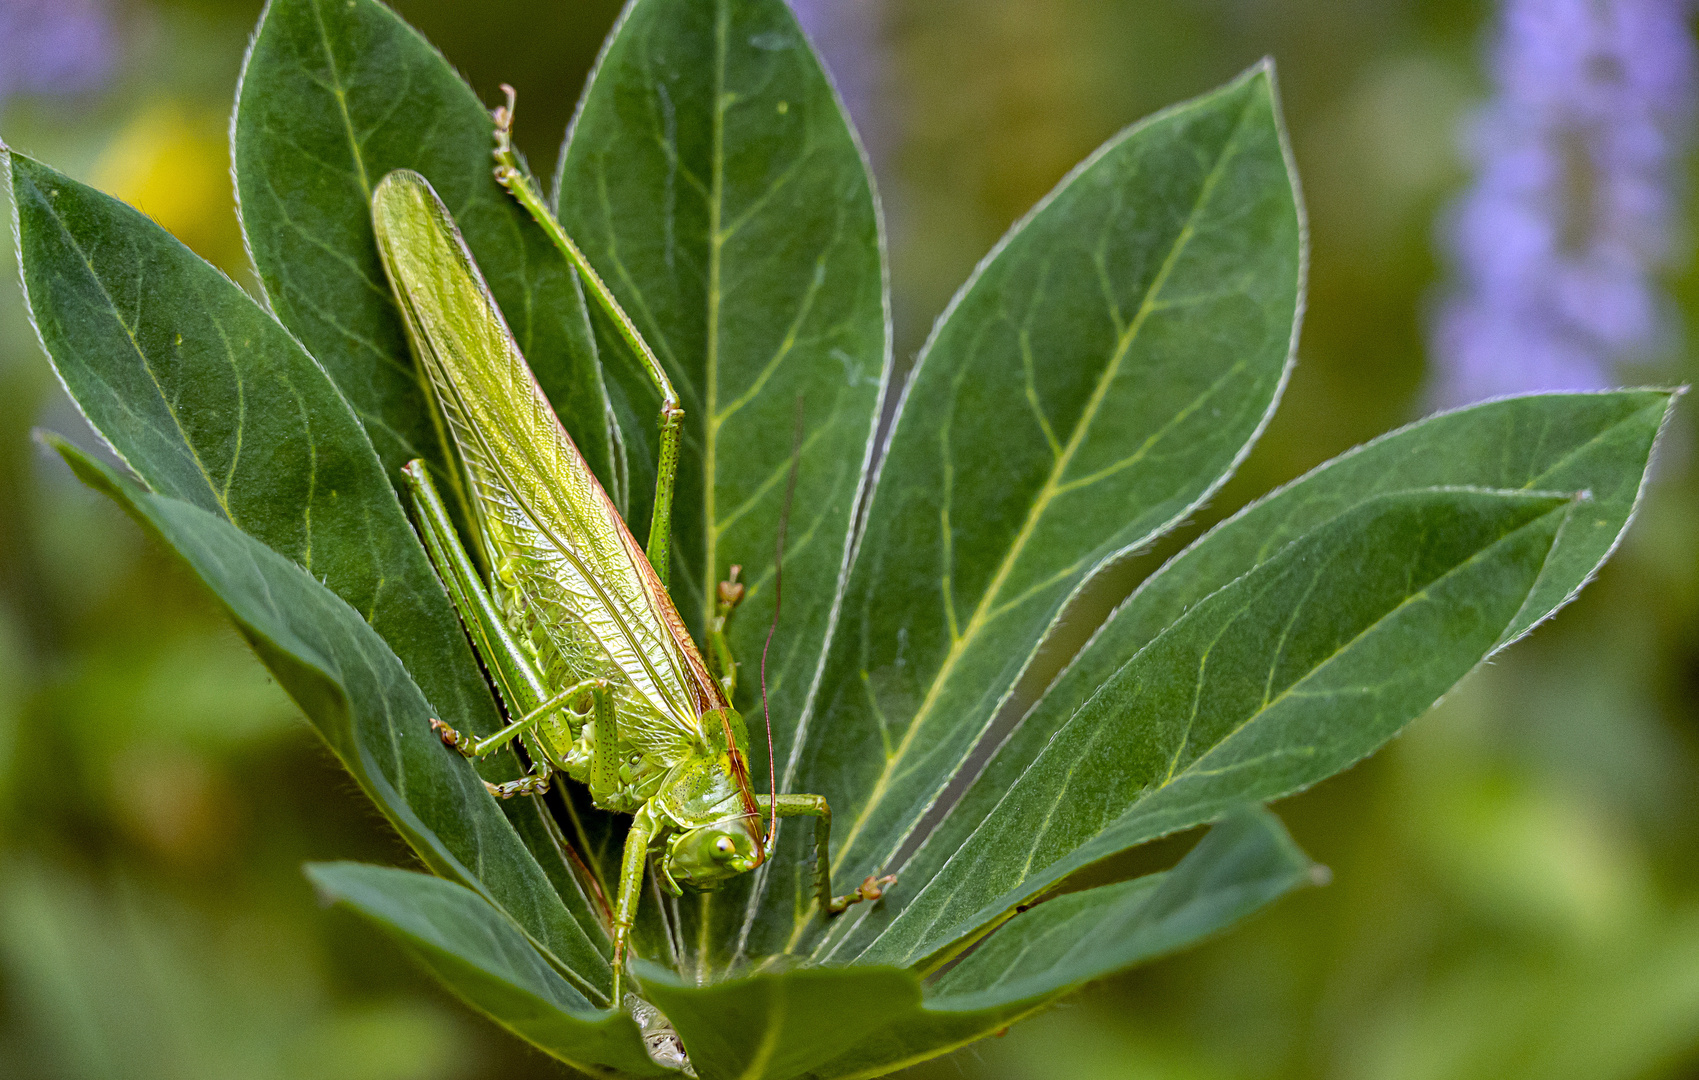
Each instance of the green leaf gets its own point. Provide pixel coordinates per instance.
(1243, 864)
(334, 95)
(1598, 443)
(478, 953)
(714, 181)
(1098, 376)
(371, 713)
(209, 400)
(780, 1025)
(1283, 677)
(863, 1021)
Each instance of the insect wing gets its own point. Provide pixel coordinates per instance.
(552, 533)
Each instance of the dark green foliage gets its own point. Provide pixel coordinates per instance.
(1098, 378)
(1283, 677)
(487, 959)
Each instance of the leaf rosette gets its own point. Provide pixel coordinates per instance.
(1096, 380)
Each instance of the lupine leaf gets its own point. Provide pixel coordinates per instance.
(714, 181)
(334, 95)
(1243, 864)
(861, 1021)
(1598, 443)
(1099, 375)
(210, 401)
(774, 1026)
(1281, 678)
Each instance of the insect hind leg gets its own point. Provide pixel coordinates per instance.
(510, 173)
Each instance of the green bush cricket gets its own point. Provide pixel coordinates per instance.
(599, 676)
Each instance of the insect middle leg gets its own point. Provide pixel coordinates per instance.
(512, 176)
(604, 778)
(635, 858)
(815, 806)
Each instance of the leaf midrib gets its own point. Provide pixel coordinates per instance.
(711, 383)
(711, 359)
(341, 96)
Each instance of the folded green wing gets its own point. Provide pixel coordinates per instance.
(563, 561)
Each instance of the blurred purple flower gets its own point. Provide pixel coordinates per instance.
(54, 46)
(1574, 208)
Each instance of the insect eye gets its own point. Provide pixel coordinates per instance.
(724, 845)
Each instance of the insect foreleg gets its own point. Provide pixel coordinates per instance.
(815, 806)
(512, 176)
(643, 830)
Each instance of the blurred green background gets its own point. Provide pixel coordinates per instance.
(1514, 895)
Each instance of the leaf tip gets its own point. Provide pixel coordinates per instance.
(319, 875)
(51, 440)
(1320, 875)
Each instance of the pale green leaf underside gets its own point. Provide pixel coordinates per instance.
(484, 958)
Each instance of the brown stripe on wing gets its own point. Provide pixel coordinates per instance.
(706, 691)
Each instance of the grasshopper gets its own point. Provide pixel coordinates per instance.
(598, 675)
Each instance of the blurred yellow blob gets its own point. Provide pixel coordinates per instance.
(174, 166)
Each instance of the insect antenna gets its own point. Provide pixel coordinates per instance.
(778, 597)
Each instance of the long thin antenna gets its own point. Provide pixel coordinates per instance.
(778, 598)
